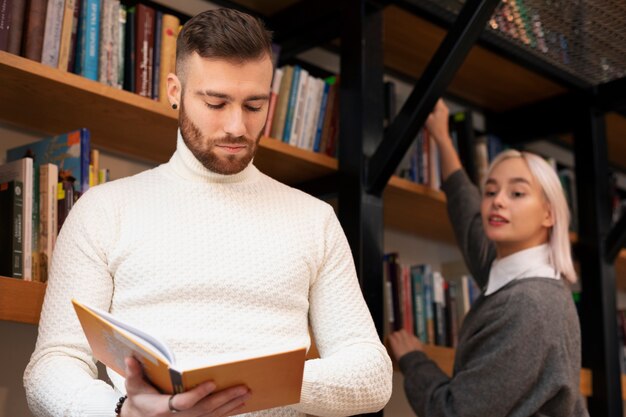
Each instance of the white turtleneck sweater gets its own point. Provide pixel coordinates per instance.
(211, 264)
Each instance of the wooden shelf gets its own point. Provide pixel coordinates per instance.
(51, 101)
(485, 78)
(417, 209)
(20, 300)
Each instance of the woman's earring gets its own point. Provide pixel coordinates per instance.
(174, 106)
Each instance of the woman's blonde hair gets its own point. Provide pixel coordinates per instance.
(558, 241)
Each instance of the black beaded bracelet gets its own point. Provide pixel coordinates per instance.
(120, 403)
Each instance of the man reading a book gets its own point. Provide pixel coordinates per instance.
(209, 254)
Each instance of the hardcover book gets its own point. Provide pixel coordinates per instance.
(21, 171)
(273, 376)
(11, 200)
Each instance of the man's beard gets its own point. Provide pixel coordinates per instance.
(204, 149)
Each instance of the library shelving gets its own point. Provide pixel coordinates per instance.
(48, 101)
(409, 207)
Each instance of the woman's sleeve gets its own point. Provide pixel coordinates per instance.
(464, 212)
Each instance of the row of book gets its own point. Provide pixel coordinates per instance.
(424, 303)
(303, 110)
(122, 44)
(422, 165)
(39, 184)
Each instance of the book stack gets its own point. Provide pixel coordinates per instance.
(122, 44)
(39, 184)
(303, 110)
(424, 303)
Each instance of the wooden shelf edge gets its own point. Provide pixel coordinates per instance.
(21, 301)
(320, 159)
(77, 82)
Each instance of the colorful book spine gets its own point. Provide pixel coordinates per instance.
(280, 114)
(321, 118)
(129, 49)
(5, 23)
(48, 220)
(167, 64)
(121, 46)
(11, 200)
(106, 42)
(89, 44)
(66, 35)
(52, 33)
(71, 61)
(34, 30)
(21, 170)
(278, 77)
(156, 66)
(293, 97)
(144, 50)
(16, 26)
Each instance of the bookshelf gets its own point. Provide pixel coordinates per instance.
(143, 129)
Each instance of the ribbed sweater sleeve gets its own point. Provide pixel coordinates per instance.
(354, 373)
(60, 378)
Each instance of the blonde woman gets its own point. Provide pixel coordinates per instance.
(519, 346)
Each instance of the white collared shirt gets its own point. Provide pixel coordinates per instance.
(534, 262)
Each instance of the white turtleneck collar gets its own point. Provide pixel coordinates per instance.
(533, 262)
(185, 165)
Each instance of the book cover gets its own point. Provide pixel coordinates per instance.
(5, 23)
(167, 58)
(121, 45)
(11, 201)
(130, 33)
(16, 26)
(90, 39)
(144, 50)
(282, 102)
(69, 151)
(297, 117)
(293, 97)
(21, 171)
(273, 376)
(156, 61)
(106, 42)
(71, 61)
(66, 35)
(322, 114)
(278, 77)
(48, 220)
(35, 25)
(52, 33)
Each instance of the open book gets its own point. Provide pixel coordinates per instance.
(273, 377)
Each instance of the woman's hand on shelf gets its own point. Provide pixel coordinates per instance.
(402, 342)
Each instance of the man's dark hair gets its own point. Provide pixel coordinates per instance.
(224, 34)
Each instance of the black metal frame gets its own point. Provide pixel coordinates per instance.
(546, 118)
(612, 95)
(598, 309)
(361, 115)
(436, 77)
(616, 240)
(496, 44)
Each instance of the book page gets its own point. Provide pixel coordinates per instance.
(153, 342)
